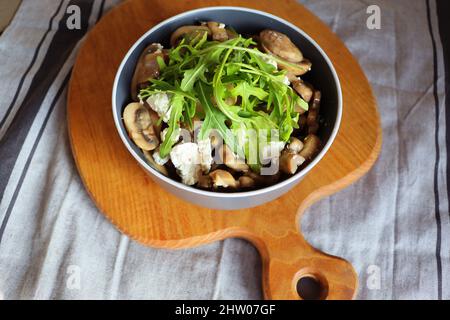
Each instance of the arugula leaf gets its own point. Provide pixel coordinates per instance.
(191, 76)
(203, 75)
(162, 65)
(214, 119)
(176, 109)
(245, 90)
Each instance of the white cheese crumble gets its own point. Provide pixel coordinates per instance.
(191, 158)
(204, 149)
(186, 158)
(286, 81)
(160, 103)
(222, 25)
(158, 159)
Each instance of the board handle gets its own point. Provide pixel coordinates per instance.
(293, 270)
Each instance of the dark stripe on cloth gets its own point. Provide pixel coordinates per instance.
(100, 11)
(33, 60)
(436, 164)
(30, 156)
(59, 50)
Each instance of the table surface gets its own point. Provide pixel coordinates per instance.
(392, 225)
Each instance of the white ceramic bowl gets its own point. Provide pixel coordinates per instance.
(246, 21)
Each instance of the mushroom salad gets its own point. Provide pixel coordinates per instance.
(224, 112)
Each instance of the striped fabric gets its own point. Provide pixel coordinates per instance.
(393, 224)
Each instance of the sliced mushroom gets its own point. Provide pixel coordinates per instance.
(224, 179)
(311, 146)
(313, 114)
(147, 68)
(140, 127)
(231, 34)
(246, 182)
(280, 45)
(302, 121)
(295, 69)
(303, 89)
(219, 33)
(155, 119)
(295, 145)
(154, 165)
(231, 160)
(205, 182)
(266, 180)
(291, 77)
(187, 30)
(289, 162)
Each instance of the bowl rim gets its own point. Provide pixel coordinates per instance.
(240, 194)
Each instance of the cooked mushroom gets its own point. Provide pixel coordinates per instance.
(266, 180)
(219, 33)
(204, 181)
(231, 34)
(231, 160)
(187, 30)
(295, 145)
(155, 119)
(313, 113)
(311, 146)
(140, 127)
(246, 182)
(280, 45)
(147, 68)
(289, 162)
(224, 179)
(302, 121)
(295, 69)
(153, 163)
(303, 89)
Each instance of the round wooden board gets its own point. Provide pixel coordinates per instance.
(145, 212)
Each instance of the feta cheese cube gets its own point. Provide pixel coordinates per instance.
(186, 158)
(160, 103)
(158, 159)
(204, 149)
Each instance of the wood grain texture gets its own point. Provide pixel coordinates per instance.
(149, 215)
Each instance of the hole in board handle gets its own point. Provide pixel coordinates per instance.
(311, 286)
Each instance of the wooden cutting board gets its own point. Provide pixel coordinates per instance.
(142, 210)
